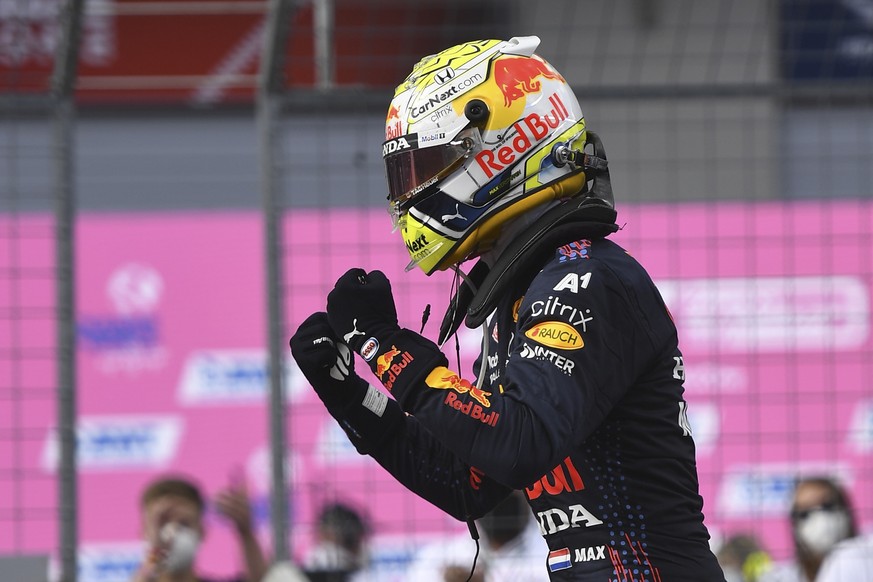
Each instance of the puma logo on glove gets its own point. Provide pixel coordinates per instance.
(348, 337)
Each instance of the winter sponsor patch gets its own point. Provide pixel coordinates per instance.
(538, 352)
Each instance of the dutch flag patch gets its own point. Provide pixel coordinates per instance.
(559, 560)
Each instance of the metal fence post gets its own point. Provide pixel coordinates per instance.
(63, 82)
(268, 112)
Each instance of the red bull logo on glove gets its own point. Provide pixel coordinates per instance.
(387, 363)
(384, 361)
(518, 76)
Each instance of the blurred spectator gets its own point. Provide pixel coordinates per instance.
(821, 516)
(172, 525)
(340, 549)
(743, 559)
(851, 560)
(511, 550)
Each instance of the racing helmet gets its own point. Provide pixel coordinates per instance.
(474, 137)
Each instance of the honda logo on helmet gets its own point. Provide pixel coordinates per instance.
(405, 142)
(444, 75)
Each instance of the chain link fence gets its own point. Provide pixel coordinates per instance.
(225, 161)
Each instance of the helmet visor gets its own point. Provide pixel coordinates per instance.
(410, 168)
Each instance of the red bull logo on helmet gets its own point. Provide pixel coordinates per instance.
(518, 76)
(393, 129)
(528, 132)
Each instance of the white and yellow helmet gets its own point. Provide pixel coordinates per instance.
(475, 136)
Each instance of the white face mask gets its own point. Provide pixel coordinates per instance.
(821, 530)
(183, 544)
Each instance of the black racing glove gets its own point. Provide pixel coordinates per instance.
(327, 363)
(361, 310)
(361, 307)
(367, 415)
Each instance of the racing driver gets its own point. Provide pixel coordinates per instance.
(577, 397)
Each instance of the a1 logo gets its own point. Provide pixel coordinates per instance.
(573, 282)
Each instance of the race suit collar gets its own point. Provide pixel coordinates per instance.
(483, 287)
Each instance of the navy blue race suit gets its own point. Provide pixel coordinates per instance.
(582, 407)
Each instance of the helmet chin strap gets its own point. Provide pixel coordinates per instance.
(592, 164)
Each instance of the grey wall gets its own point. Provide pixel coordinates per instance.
(173, 161)
(661, 81)
(828, 152)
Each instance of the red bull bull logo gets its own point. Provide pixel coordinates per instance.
(393, 128)
(518, 76)
(387, 364)
(444, 379)
(384, 361)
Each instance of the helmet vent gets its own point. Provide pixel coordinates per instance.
(476, 111)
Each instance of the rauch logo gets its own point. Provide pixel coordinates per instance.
(556, 334)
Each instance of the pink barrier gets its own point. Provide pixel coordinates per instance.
(772, 302)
